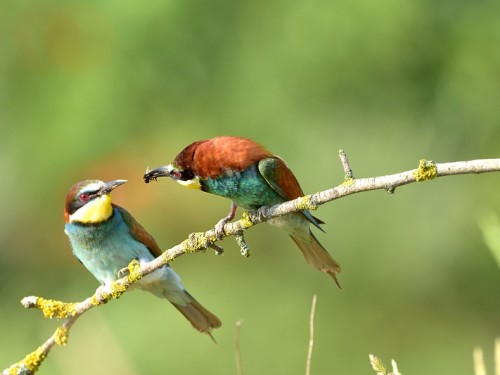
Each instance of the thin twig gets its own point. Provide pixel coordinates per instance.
(478, 358)
(200, 241)
(237, 351)
(311, 336)
(244, 248)
(219, 250)
(348, 175)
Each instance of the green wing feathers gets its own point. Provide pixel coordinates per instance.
(280, 178)
(283, 181)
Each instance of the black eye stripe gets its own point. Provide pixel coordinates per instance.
(75, 205)
(78, 203)
(187, 175)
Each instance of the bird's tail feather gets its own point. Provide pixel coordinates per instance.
(317, 256)
(199, 317)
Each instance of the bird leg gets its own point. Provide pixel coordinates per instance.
(219, 227)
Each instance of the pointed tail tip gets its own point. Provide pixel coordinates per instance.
(200, 318)
(208, 329)
(332, 272)
(334, 276)
(212, 325)
(213, 339)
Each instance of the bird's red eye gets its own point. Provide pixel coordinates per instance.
(84, 197)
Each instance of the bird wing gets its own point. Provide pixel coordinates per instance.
(139, 233)
(283, 181)
(280, 177)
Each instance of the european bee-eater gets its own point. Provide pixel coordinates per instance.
(106, 238)
(245, 172)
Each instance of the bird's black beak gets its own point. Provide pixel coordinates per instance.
(111, 185)
(155, 173)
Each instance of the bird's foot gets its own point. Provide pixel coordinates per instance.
(123, 272)
(261, 212)
(219, 227)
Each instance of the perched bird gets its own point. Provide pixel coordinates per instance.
(245, 172)
(106, 238)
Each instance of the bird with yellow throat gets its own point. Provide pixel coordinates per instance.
(106, 238)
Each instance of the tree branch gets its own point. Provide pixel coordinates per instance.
(201, 241)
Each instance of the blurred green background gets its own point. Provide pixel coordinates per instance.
(104, 89)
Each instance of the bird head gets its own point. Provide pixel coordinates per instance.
(210, 158)
(89, 202)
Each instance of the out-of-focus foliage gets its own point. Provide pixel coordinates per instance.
(490, 226)
(104, 89)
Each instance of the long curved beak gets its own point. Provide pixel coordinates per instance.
(155, 173)
(111, 185)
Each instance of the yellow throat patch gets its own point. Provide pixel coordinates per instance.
(192, 184)
(95, 211)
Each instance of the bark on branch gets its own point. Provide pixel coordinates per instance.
(200, 241)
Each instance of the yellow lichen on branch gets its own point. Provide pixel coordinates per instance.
(195, 242)
(116, 290)
(61, 336)
(347, 182)
(245, 220)
(134, 271)
(305, 203)
(426, 170)
(55, 309)
(29, 364)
